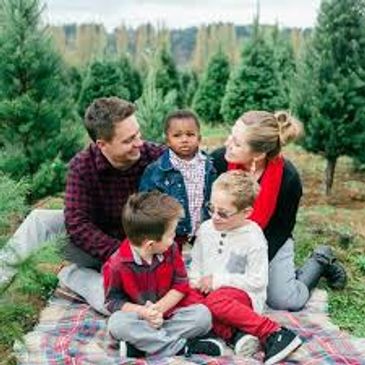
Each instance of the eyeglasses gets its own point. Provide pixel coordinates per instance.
(220, 214)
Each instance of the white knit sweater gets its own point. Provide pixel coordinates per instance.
(236, 258)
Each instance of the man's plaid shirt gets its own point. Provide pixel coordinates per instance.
(95, 195)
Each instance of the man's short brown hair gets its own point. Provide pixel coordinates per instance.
(102, 115)
(148, 215)
(241, 185)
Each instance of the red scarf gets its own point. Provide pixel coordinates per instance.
(265, 203)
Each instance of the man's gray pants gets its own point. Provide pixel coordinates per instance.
(187, 322)
(42, 225)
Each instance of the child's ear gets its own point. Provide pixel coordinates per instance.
(247, 212)
(147, 244)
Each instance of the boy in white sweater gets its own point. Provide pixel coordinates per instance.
(230, 269)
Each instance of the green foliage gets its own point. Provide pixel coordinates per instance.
(208, 98)
(33, 285)
(19, 302)
(74, 79)
(13, 318)
(153, 107)
(255, 84)
(361, 263)
(49, 178)
(103, 79)
(30, 278)
(12, 204)
(189, 84)
(38, 123)
(167, 76)
(329, 92)
(284, 53)
(131, 79)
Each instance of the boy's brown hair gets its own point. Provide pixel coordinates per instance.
(241, 185)
(148, 215)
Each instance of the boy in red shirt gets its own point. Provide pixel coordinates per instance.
(146, 285)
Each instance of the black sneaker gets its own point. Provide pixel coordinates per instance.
(244, 345)
(279, 345)
(206, 346)
(128, 350)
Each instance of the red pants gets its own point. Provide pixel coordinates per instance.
(232, 309)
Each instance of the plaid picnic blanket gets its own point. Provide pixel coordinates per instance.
(70, 332)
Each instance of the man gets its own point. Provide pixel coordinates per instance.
(101, 178)
(99, 182)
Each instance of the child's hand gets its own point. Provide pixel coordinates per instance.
(151, 305)
(153, 316)
(206, 284)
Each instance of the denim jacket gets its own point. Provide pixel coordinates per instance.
(161, 175)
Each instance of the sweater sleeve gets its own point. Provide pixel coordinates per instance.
(196, 259)
(115, 297)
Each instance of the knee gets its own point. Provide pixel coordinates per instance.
(36, 215)
(291, 301)
(203, 317)
(118, 325)
(214, 300)
(46, 217)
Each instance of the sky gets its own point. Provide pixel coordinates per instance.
(177, 14)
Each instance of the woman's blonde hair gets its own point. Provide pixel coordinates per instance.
(268, 132)
(241, 185)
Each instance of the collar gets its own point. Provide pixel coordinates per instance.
(128, 254)
(166, 164)
(101, 161)
(175, 159)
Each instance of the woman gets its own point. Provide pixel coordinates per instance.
(255, 144)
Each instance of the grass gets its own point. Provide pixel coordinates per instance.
(346, 307)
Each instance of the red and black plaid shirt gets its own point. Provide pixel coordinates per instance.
(128, 278)
(95, 195)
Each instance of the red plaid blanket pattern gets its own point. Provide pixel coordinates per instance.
(72, 333)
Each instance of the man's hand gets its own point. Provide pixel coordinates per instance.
(205, 284)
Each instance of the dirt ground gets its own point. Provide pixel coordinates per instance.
(348, 194)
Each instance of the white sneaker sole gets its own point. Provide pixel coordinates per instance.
(247, 346)
(122, 349)
(284, 352)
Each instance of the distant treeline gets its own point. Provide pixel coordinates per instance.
(191, 47)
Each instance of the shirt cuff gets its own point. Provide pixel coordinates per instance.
(182, 288)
